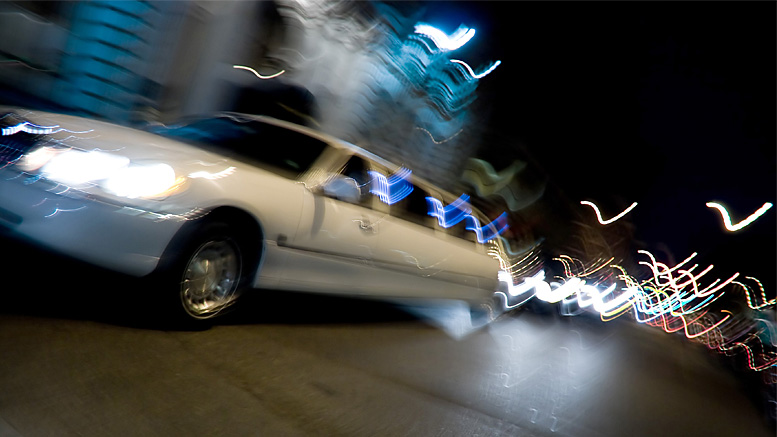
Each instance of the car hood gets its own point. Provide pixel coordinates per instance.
(137, 145)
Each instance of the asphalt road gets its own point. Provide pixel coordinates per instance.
(78, 358)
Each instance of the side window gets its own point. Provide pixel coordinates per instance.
(413, 208)
(357, 169)
(284, 149)
(453, 212)
(459, 230)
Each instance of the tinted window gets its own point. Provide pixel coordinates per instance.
(460, 230)
(413, 208)
(282, 151)
(357, 169)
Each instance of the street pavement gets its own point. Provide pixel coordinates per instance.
(78, 356)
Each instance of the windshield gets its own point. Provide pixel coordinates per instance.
(283, 151)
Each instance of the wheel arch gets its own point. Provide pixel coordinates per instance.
(248, 229)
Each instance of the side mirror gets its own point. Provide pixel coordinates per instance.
(342, 188)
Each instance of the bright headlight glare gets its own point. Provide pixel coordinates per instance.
(37, 158)
(136, 181)
(75, 167)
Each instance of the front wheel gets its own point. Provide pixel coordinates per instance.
(206, 273)
(211, 277)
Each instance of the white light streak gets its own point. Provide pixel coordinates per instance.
(243, 67)
(727, 219)
(599, 214)
(57, 211)
(207, 175)
(472, 73)
(445, 42)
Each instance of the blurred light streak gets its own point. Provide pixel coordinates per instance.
(507, 305)
(35, 129)
(441, 141)
(212, 176)
(707, 290)
(41, 202)
(28, 127)
(443, 41)
(57, 211)
(206, 164)
(599, 214)
(685, 324)
(22, 63)
(770, 328)
(506, 265)
(451, 214)
(243, 67)
(479, 75)
(665, 300)
(662, 271)
(661, 296)
(528, 283)
(585, 272)
(769, 359)
(65, 189)
(748, 292)
(410, 259)
(727, 219)
(593, 292)
(487, 182)
(555, 292)
(392, 189)
(489, 231)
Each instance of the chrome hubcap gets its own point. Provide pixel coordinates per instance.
(211, 277)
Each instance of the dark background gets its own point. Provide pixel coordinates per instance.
(669, 104)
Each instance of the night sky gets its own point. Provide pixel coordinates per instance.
(668, 104)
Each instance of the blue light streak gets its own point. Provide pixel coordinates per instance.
(443, 41)
(396, 187)
(35, 129)
(28, 127)
(392, 189)
(489, 231)
(448, 216)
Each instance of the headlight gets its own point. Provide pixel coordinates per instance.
(115, 174)
(38, 158)
(74, 167)
(142, 181)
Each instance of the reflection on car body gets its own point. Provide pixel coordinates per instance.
(210, 206)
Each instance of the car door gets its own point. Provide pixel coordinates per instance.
(338, 233)
(429, 260)
(409, 245)
(470, 264)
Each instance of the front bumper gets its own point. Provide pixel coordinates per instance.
(104, 232)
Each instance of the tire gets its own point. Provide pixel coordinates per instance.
(206, 273)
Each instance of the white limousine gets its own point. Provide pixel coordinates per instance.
(210, 207)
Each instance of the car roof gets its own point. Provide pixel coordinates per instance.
(342, 144)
